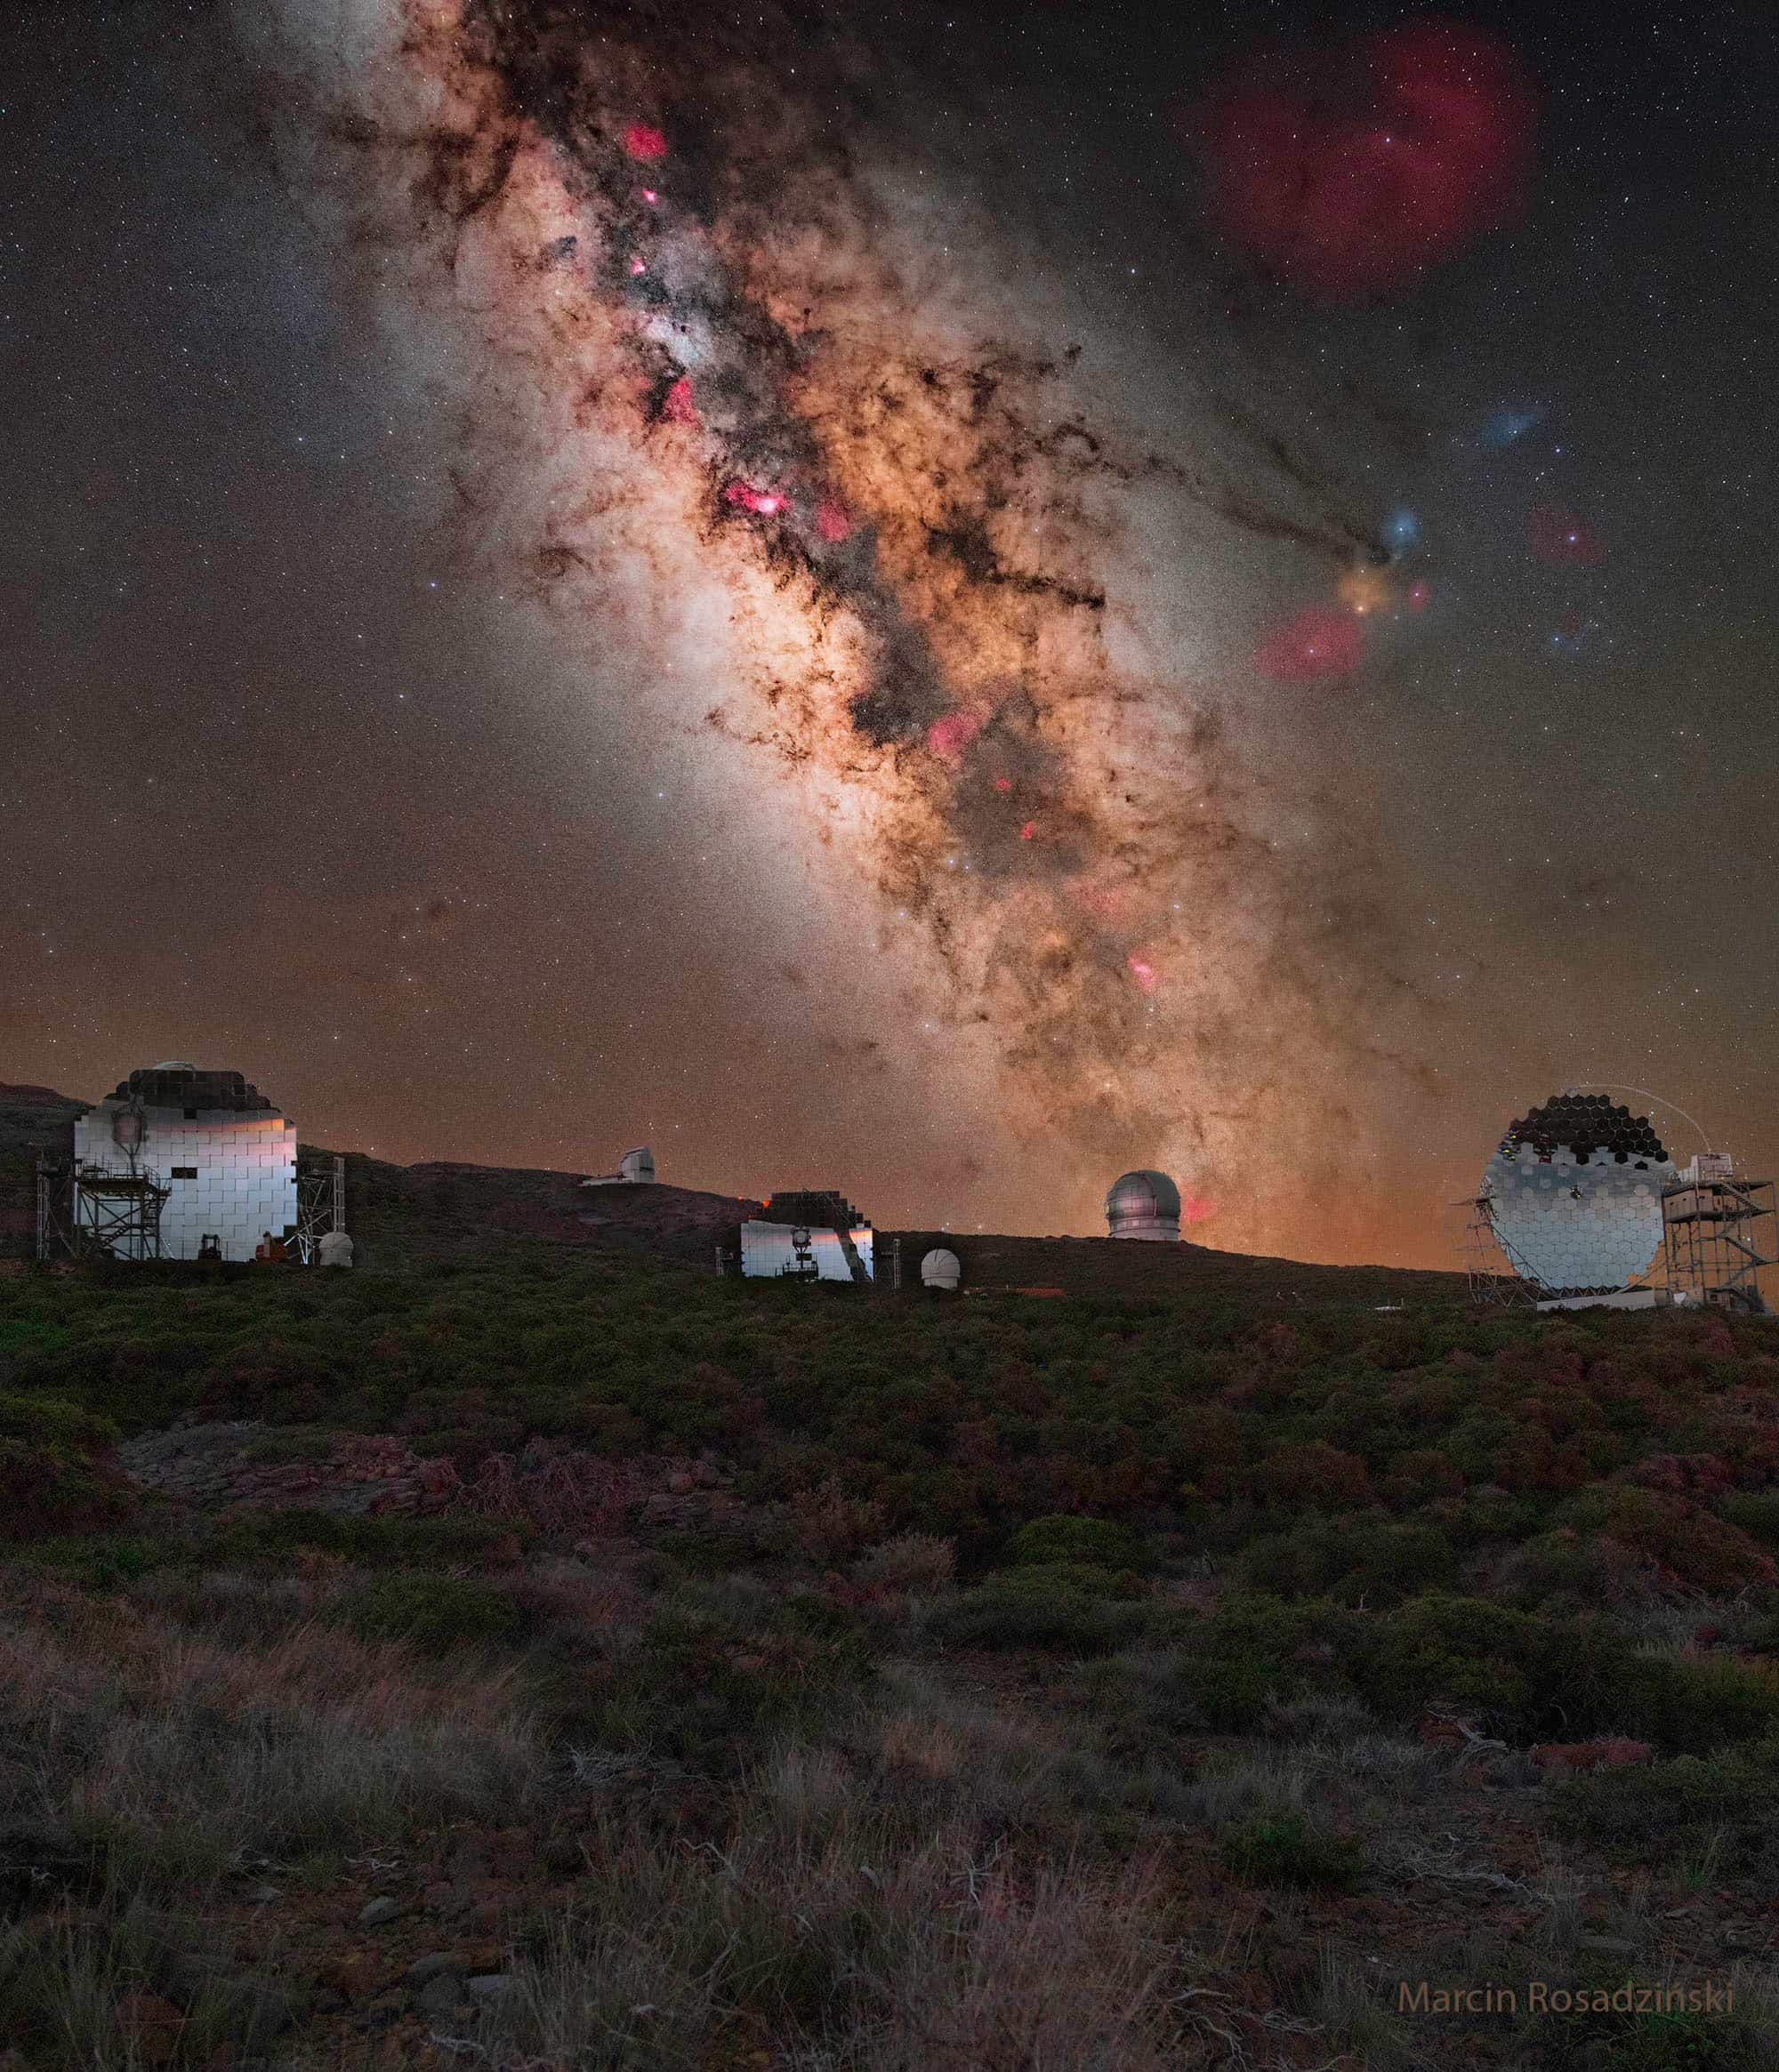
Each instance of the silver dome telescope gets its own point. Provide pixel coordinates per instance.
(1143, 1204)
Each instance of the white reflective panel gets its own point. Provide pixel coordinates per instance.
(1593, 1225)
(773, 1251)
(236, 1172)
(767, 1251)
(830, 1258)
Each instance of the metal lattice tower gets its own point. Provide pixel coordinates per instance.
(1718, 1232)
(1499, 1277)
(320, 1203)
(55, 1216)
(119, 1215)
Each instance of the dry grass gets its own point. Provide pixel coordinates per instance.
(916, 1564)
(933, 1748)
(91, 1983)
(1352, 2011)
(1266, 1786)
(175, 1755)
(823, 1923)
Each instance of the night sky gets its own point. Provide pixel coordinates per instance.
(937, 604)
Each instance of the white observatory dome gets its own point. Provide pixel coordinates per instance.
(1575, 1193)
(1143, 1204)
(941, 1269)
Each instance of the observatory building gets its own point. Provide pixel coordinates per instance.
(942, 1269)
(1573, 1196)
(807, 1235)
(220, 1159)
(635, 1169)
(1143, 1205)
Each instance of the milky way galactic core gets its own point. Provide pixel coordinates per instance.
(1008, 600)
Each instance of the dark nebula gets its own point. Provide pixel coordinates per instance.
(852, 591)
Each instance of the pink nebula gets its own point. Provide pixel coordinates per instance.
(1142, 970)
(1418, 595)
(679, 407)
(765, 502)
(643, 140)
(1318, 643)
(950, 734)
(1348, 171)
(833, 520)
(1003, 783)
(1028, 830)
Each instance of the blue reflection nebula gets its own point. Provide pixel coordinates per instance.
(1502, 427)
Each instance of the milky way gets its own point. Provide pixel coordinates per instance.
(1003, 587)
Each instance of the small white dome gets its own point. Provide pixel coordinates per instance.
(940, 1269)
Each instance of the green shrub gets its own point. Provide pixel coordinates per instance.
(1690, 1707)
(1725, 1805)
(1256, 1625)
(102, 1563)
(44, 1420)
(274, 1536)
(1232, 1696)
(1558, 1570)
(51, 1478)
(436, 1613)
(1065, 1607)
(1290, 1849)
(1097, 1542)
(1554, 1679)
(1376, 1564)
(1460, 1649)
(1755, 1513)
(1256, 1649)
(1686, 2043)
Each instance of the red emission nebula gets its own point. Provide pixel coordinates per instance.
(1346, 171)
(1319, 643)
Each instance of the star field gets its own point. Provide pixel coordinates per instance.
(510, 722)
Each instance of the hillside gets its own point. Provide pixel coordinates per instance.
(567, 1658)
(403, 1218)
(413, 1215)
(1114, 1266)
(29, 1117)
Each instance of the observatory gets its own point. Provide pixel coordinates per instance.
(1718, 1227)
(175, 1155)
(1573, 1196)
(635, 1169)
(1143, 1205)
(806, 1234)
